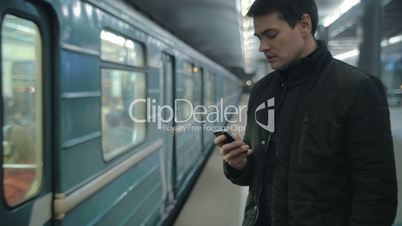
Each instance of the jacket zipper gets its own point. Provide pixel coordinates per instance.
(284, 85)
(302, 138)
(260, 187)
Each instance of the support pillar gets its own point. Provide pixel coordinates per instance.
(370, 37)
(322, 33)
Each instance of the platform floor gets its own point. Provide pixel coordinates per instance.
(215, 201)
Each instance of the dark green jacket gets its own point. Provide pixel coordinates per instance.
(334, 161)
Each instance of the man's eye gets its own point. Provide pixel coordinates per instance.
(271, 35)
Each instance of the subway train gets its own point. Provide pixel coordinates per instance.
(103, 114)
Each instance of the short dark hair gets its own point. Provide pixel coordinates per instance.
(290, 10)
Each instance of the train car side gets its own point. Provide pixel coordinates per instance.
(110, 64)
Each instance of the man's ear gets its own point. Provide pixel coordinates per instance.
(306, 24)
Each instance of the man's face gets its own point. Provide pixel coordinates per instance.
(280, 43)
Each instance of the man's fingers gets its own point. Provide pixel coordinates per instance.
(234, 145)
(236, 152)
(219, 140)
(228, 148)
(238, 160)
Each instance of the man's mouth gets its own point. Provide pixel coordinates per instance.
(270, 58)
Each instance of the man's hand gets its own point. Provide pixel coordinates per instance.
(235, 153)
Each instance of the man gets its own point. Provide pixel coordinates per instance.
(329, 158)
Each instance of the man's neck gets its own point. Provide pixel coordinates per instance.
(311, 45)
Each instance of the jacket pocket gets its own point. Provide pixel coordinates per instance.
(302, 139)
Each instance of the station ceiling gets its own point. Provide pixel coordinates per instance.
(214, 27)
(392, 17)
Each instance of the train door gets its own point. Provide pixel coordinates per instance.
(25, 173)
(198, 94)
(167, 98)
(208, 100)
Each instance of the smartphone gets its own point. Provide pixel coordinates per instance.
(229, 136)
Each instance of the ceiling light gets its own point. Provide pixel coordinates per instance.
(395, 39)
(391, 41)
(342, 9)
(346, 55)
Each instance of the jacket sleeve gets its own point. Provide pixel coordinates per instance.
(371, 157)
(239, 177)
(242, 177)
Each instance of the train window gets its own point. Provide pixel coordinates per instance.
(21, 48)
(187, 69)
(120, 131)
(198, 74)
(217, 89)
(135, 54)
(209, 92)
(184, 110)
(118, 49)
(227, 89)
(123, 90)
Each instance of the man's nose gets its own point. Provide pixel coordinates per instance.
(264, 46)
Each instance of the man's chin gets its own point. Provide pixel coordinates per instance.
(277, 66)
(274, 67)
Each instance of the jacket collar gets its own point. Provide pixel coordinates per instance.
(311, 65)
